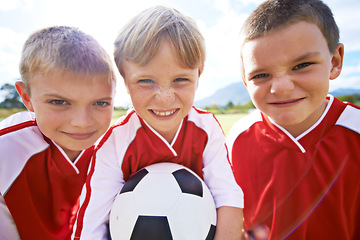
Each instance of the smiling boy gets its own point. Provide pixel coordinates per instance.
(297, 156)
(68, 87)
(160, 54)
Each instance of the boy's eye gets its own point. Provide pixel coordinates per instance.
(302, 65)
(102, 104)
(58, 102)
(145, 81)
(181, 80)
(261, 75)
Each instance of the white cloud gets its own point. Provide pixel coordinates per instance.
(9, 5)
(222, 5)
(222, 42)
(10, 50)
(351, 70)
(349, 78)
(345, 82)
(346, 14)
(248, 2)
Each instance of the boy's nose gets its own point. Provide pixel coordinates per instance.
(281, 84)
(166, 95)
(81, 117)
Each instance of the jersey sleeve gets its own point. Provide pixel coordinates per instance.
(8, 228)
(105, 179)
(218, 174)
(18, 131)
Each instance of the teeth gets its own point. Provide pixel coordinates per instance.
(164, 113)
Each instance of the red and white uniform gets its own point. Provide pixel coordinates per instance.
(306, 187)
(39, 185)
(132, 144)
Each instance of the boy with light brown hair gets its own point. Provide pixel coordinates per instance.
(297, 156)
(160, 54)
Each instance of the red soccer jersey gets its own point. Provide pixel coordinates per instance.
(132, 144)
(301, 188)
(40, 185)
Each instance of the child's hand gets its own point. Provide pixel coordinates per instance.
(259, 232)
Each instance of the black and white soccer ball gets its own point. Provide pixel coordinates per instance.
(163, 201)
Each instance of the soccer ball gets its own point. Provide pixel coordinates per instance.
(163, 201)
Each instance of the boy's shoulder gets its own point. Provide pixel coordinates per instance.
(349, 118)
(129, 123)
(206, 122)
(124, 128)
(20, 129)
(244, 124)
(20, 139)
(18, 120)
(202, 118)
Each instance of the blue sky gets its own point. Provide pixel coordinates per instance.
(219, 21)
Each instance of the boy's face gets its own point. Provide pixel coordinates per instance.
(72, 110)
(163, 91)
(287, 74)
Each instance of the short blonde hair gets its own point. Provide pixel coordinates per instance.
(63, 49)
(139, 40)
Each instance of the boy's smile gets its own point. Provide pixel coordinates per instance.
(163, 91)
(80, 136)
(162, 113)
(287, 74)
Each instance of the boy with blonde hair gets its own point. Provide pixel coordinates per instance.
(68, 87)
(160, 54)
(297, 156)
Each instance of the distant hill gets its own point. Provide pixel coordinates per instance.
(237, 94)
(345, 91)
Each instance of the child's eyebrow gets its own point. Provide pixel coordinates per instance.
(53, 95)
(104, 99)
(306, 56)
(255, 72)
(141, 75)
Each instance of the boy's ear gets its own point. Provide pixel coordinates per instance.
(126, 87)
(337, 61)
(243, 79)
(25, 97)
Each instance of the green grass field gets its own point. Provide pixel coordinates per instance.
(226, 120)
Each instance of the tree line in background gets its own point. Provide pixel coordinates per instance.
(230, 108)
(12, 100)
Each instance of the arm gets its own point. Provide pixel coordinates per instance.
(229, 223)
(219, 177)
